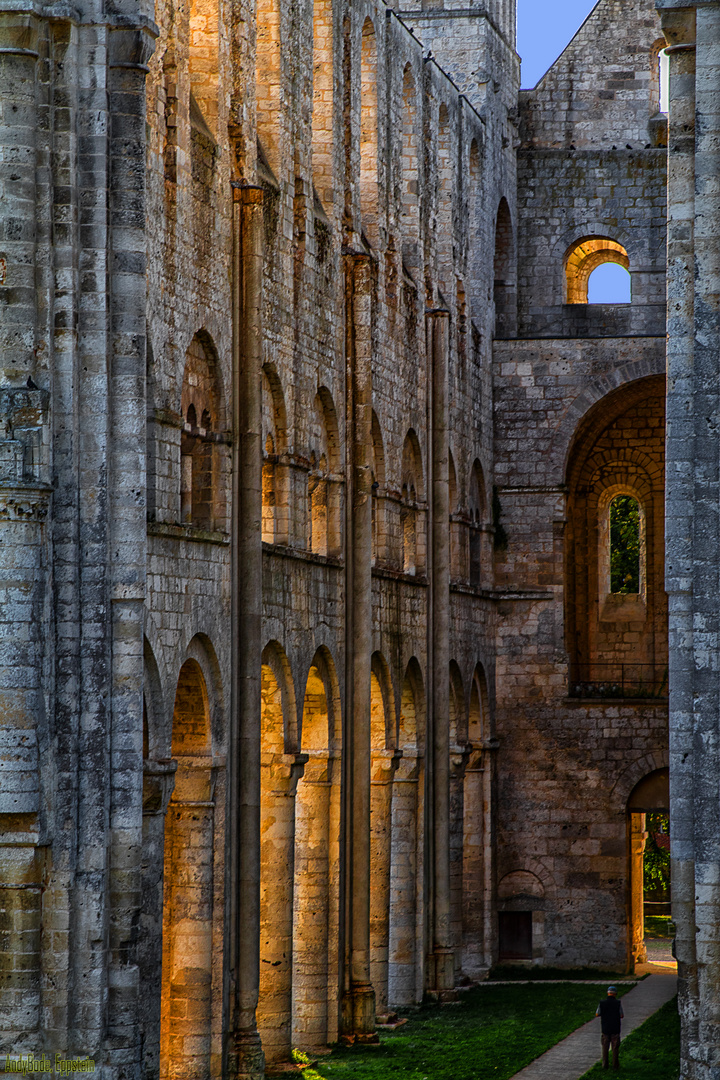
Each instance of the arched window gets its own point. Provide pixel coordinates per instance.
(202, 452)
(379, 494)
(584, 257)
(275, 481)
(411, 522)
(625, 539)
(410, 188)
(323, 482)
(505, 274)
(610, 284)
(456, 527)
(477, 505)
(659, 77)
(369, 203)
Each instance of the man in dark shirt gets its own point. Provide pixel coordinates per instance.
(611, 1013)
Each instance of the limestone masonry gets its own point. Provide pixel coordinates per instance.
(320, 688)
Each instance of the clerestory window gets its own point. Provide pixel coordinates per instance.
(624, 545)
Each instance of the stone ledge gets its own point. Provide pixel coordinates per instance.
(187, 532)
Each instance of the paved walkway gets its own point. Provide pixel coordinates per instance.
(572, 1057)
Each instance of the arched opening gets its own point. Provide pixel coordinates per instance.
(411, 515)
(323, 480)
(457, 567)
(316, 866)
(649, 855)
(369, 198)
(382, 713)
(477, 506)
(185, 1048)
(203, 458)
(406, 847)
(616, 602)
(586, 256)
(277, 850)
(609, 284)
(505, 291)
(410, 221)
(275, 476)
(323, 96)
(269, 82)
(379, 496)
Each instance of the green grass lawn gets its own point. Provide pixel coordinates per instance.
(653, 1051)
(659, 926)
(493, 1033)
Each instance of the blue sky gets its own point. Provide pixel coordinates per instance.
(544, 29)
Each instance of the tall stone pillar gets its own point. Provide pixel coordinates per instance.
(24, 506)
(692, 537)
(129, 49)
(358, 1009)
(638, 837)
(282, 773)
(440, 972)
(245, 1058)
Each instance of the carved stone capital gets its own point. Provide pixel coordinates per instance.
(24, 502)
(158, 785)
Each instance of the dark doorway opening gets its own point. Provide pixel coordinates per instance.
(515, 935)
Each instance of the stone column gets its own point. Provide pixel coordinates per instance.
(473, 865)
(358, 1009)
(24, 505)
(276, 904)
(638, 836)
(440, 975)
(692, 541)
(128, 52)
(243, 1049)
(384, 764)
(705, 745)
(158, 785)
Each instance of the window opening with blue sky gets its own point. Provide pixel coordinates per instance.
(540, 41)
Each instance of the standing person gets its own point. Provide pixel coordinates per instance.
(611, 1014)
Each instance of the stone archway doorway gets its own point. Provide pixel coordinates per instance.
(651, 796)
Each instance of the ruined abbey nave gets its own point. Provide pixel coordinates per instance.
(359, 572)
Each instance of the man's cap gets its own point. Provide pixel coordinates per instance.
(612, 989)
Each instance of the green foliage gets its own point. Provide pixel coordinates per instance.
(656, 862)
(490, 1035)
(624, 545)
(652, 1052)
